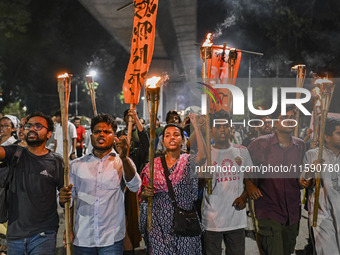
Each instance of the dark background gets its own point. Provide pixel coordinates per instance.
(40, 39)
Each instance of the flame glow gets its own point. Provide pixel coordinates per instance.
(152, 82)
(296, 67)
(208, 42)
(65, 75)
(323, 81)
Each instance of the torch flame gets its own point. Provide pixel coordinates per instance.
(208, 42)
(296, 67)
(323, 81)
(152, 82)
(65, 75)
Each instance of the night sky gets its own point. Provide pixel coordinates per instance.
(63, 36)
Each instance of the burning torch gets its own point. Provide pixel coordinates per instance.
(300, 79)
(326, 92)
(153, 98)
(205, 66)
(90, 86)
(64, 89)
(316, 113)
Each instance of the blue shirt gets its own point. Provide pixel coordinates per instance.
(99, 185)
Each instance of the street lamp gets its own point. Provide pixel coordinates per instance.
(90, 86)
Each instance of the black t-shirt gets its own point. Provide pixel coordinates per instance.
(32, 198)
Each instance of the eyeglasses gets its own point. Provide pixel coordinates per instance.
(5, 126)
(36, 126)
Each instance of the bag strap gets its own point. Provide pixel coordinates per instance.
(13, 165)
(168, 182)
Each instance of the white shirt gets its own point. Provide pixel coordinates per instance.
(218, 213)
(9, 141)
(58, 136)
(327, 232)
(100, 212)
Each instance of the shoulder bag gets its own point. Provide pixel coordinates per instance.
(186, 222)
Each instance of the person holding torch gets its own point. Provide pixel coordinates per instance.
(33, 218)
(161, 239)
(98, 182)
(327, 231)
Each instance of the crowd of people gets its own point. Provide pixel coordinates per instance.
(109, 184)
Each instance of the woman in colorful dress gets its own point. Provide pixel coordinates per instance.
(161, 239)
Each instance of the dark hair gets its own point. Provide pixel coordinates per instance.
(221, 114)
(108, 119)
(76, 118)
(172, 113)
(331, 124)
(13, 133)
(277, 112)
(50, 124)
(9, 120)
(57, 113)
(173, 125)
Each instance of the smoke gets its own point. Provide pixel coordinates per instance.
(228, 22)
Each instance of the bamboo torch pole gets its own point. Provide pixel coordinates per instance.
(152, 96)
(231, 71)
(326, 89)
(90, 86)
(300, 78)
(316, 113)
(129, 134)
(205, 55)
(64, 89)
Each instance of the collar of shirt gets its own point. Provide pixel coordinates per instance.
(274, 140)
(113, 153)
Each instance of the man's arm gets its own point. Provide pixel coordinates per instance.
(83, 135)
(129, 170)
(252, 190)
(201, 148)
(74, 142)
(240, 202)
(133, 114)
(122, 147)
(55, 145)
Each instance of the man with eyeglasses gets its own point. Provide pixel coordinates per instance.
(33, 219)
(275, 188)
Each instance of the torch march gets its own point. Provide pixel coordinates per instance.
(326, 88)
(152, 96)
(64, 89)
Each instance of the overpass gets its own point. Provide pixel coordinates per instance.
(174, 53)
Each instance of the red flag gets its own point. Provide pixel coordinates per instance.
(142, 45)
(223, 66)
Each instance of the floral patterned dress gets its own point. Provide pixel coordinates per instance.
(161, 240)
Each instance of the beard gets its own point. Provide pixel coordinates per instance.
(36, 142)
(106, 148)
